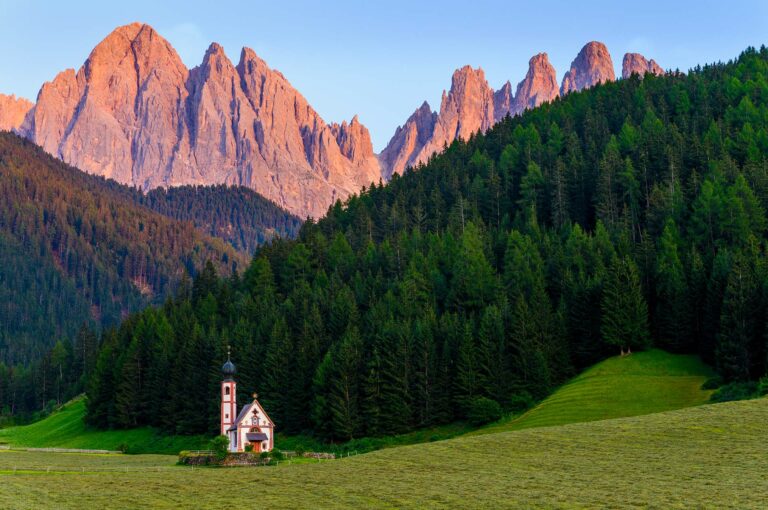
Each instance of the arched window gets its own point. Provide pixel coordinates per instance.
(226, 390)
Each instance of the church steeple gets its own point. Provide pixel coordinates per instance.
(228, 394)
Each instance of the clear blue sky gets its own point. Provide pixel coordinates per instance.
(379, 59)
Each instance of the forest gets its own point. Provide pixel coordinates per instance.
(626, 216)
(79, 253)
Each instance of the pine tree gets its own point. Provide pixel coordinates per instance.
(738, 323)
(624, 310)
(672, 308)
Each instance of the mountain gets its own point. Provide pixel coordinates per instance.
(636, 63)
(471, 106)
(76, 249)
(134, 113)
(629, 215)
(591, 66)
(236, 214)
(12, 111)
(539, 85)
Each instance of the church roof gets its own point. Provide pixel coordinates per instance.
(243, 413)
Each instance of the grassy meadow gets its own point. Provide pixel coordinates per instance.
(642, 383)
(65, 429)
(712, 456)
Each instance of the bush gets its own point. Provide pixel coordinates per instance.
(483, 410)
(712, 383)
(520, 402)
(735, 391)
(220, 447)
(248, 448)
(762, 386)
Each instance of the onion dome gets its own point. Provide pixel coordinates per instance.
(228, 369)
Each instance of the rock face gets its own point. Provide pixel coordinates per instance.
(408, 140)
(538, 86)
(12, 112)
(636, 63)
(503, 102)
(135, 113)
(591, 66)
(470, 106)
(466, 109)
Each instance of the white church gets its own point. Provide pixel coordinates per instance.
(251, 426)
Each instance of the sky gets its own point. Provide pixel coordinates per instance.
(377, 59)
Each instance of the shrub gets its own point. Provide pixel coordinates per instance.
(249, 448)
(483, 410)
(735, 391)
(276, 454)
(762, 386)
(520, 402)
(712, 383)
(220, 446)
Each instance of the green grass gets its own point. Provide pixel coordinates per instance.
(368, 444)
(65, 429)
(712, 456)
(642, 383)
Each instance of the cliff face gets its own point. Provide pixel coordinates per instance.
(12, 112)
(591, 66)
(470, 105)
(538, 86)
(636, 63)
(135, 113)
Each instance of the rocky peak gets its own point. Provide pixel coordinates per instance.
(636, 63)
(408, 140)
(135, 113)
(354, 140)
(502, 102)
(468, 106)
(13, 110)
(591, 66)
(538, 86)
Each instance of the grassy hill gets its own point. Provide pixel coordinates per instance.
(712, 456)
(65, 429)
(643, 383)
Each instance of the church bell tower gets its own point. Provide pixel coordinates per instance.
(228, 395)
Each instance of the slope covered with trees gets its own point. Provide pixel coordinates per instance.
(627, 216)
(236, 214)
(77, 253)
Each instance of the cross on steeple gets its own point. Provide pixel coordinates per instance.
(229, 349)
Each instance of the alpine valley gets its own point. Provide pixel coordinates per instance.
(550, 294)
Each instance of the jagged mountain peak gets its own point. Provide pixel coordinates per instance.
(635, 63)
(591, 66)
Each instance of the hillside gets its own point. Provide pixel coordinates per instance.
(642, 383)
(712, 456)
(65, 428)
(627, 216)
(236, 214)
(74, 251)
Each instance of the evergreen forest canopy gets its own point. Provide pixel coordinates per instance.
(236, 214)
(626, 216)
(78, 252)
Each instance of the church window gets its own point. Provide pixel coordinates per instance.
(226, 390)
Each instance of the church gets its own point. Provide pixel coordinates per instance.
(251, 426)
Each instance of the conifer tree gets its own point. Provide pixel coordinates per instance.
(624, 310)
